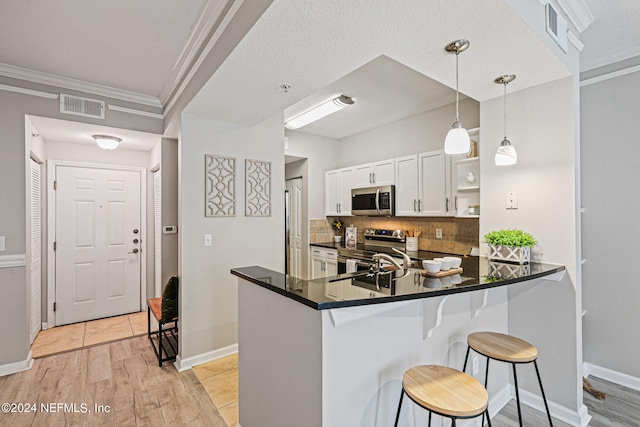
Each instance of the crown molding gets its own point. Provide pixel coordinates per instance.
(67, 83)
(607, 76)
(575, 41)
(198, 38)
(134, 111)
(578, 13)
(32, 92)
(202, 53)
(610, 57)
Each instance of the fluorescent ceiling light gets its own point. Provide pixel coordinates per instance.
(319, 112)
(107, 142)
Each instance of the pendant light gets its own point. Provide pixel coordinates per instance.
(457, 140)
(506, 154)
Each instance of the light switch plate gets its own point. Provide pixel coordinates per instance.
(2, 247)
(512, 200)
(208, 240)
(438, 233)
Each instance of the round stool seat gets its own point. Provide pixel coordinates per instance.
(502, 347)
(445, 391)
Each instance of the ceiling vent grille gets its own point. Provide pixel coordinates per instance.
(557, 27)
(84, 107)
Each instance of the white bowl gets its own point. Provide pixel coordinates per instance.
(455, 261)
(431, 266)
(432, 283)
(446, 281)
(446, 264)
(456, 279)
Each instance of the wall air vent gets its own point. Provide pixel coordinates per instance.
(84, 107)
(557, 26)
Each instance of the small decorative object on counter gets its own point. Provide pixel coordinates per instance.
(474, 209)
(337, 225)
(351, 236)
(411, 243)
(510, 245)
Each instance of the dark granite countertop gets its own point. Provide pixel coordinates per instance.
(354, 289)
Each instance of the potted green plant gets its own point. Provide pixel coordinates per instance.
(510, 245)
(337, 225)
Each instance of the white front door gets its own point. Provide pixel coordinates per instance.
(98, 241)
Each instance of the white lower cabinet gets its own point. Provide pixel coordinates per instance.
(324, 262)
(421, 185)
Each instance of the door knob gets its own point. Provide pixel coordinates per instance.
(135, 251)
(135, 231)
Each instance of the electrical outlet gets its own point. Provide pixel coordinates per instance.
(474, 364)
(438, 233)
(512, 200)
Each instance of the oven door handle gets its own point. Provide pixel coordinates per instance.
(378, 200)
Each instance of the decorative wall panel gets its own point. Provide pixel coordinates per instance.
(257, 188)
(220, 186)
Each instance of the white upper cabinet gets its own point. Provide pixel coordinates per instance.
(432, 186)
(407, 186)
(337, 191)
(378, 173)
(421, 187)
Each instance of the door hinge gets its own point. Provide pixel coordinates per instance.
(54, 306)
(55, 185)
(55, 245)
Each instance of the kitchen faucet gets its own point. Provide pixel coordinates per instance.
(382, 256)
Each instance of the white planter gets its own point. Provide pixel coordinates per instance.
(510, 254)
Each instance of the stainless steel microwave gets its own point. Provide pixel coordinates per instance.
(374, 201)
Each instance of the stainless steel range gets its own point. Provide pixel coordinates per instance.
(375, 241)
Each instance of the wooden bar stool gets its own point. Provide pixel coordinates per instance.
(444, 391)
(506, 348)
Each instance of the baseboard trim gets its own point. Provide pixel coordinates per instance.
(15, 367)
(496, 403)
(610, 375)
(579, 418)
(188, 363)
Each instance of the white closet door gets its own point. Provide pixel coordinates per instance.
(35, 322)
(157, 227)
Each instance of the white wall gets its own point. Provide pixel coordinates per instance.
(610, 171)
(322, 155)
(208, 292)
(541, 127)
(412, 135)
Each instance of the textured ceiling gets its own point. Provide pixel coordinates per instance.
(311, 45)
(123, 44)
(614, 34)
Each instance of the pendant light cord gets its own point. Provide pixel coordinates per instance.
(505, 110)
(457, 90)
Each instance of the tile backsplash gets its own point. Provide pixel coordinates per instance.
(459, 235)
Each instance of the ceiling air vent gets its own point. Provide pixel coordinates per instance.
(84, 107)
(557, 27)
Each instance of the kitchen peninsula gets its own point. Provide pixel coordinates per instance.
(332, 351)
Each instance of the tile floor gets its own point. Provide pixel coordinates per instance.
(86, 334)
(220, 379)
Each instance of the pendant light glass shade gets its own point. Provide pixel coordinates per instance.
(506, 154)
(457, 140)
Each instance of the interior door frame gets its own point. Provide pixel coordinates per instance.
(51, 228)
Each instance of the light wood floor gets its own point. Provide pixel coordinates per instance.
(85, 334)
(119, 374)
(123, 375)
